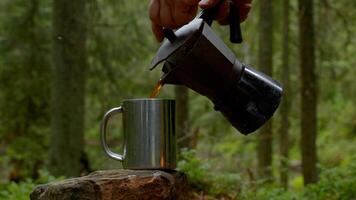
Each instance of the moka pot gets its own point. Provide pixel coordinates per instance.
(194, 56)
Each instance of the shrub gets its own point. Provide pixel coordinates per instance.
(22, 190)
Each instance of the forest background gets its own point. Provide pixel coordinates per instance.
(64, 63)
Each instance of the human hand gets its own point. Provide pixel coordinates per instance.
(173, 14)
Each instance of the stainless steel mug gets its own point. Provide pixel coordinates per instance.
(149, 133)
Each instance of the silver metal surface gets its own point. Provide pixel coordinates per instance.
(103, 126)
(149, 134)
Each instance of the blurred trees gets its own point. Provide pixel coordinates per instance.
(68, 86)
(24, 88)
(265, 62)
(308, 91)
(119, 49)
(184, 138)
(286, 102)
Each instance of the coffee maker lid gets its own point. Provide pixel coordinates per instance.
(185, 36)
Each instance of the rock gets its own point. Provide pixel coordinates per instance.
(117, 184)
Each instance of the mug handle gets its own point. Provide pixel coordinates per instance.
(103, 128)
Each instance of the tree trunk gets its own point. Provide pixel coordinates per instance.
(265, 53)
(182, 120)
(24, 89)
(69, 62)
(308, 91)
(286, 104)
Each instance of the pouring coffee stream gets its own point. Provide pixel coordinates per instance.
(194, 56)
(156, 89)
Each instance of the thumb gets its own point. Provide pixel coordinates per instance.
(157, 31)
(205, 4)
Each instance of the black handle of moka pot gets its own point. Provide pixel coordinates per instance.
(208, 16)
(234, 21)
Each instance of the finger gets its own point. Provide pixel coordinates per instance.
(242, 2)
(166, 15)
(205, 4)
(223, 13)
(157, 31)
(247, 1)
(190, 2)
(184, 14)
(244, 10)
(154, 11)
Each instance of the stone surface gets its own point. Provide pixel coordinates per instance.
(117, 184)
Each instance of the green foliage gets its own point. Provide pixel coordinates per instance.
(17, 191)
(24, 88)
(338, 183)
(269, 192)
(335, 183)
(195, 169)
(201, 176)
(22, 190)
